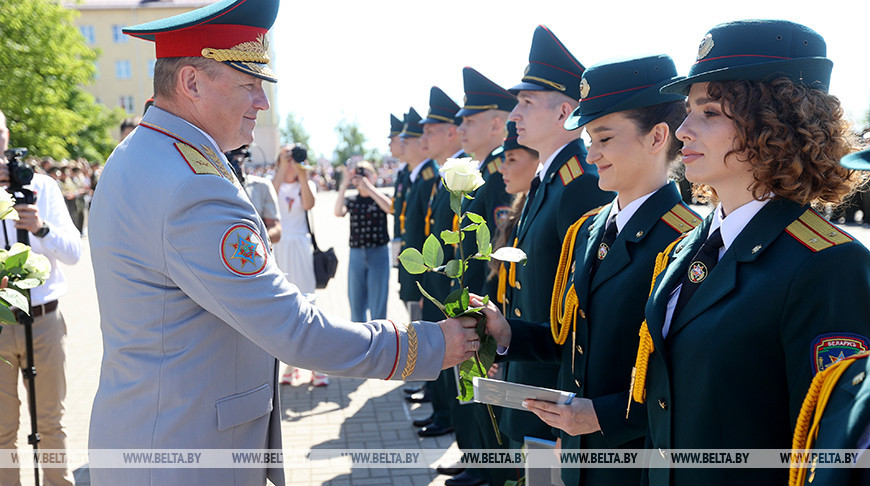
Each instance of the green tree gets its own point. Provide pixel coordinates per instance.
(294, 132)
(351, 141)
(44, 62)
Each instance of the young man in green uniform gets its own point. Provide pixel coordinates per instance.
(400, 185)
(565, 188)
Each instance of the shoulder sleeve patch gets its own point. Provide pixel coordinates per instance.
(243, 251)
(427, 173)
(571, 170)
(681, 218)
(194, 158)
(815, 232)
(500, 215)
(834, 347)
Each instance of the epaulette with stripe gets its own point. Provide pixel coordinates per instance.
(493, 166)
(427, 173)
(681, 218)
(594, 212)
(571, 170)
(198, 163)
(815, 232)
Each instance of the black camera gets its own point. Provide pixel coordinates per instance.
(299, 153)
(360, 171)
(20, 174)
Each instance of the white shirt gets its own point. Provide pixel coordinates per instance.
(290, 206)
(62, 243)
(542, 169)
(730, 228)
(623, 216)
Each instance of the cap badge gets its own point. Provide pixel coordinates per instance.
(251, 51)
(705, 47)
(584, 88)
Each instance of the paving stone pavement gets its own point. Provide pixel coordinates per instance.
(348, 414)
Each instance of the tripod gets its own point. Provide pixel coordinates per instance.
(26, 196)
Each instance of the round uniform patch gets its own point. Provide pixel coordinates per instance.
(697, 272)
(243, 251)
(836, 346)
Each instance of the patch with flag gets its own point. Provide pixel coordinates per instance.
(836, 346)
(500, 215)
(243, 251)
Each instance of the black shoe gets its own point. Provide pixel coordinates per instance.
(410, 390)
(423, 422)
(464, 479)
(451, 470)
(419, 397)
(434, 431)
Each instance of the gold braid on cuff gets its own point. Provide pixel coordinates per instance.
(411, 361)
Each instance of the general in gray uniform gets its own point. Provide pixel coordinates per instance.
(193, 308)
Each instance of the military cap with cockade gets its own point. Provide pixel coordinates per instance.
(551, 67)
(759, 50)
(481, 94)
(442, 109)
(412, 127)
(229, 31)
(624, 84)
(396, 126)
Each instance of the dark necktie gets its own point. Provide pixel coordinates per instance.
(536, 182)
(701, 266)
(604, 246)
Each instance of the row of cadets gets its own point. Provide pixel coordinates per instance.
(565, 188)
(607, 259)
(400, 185)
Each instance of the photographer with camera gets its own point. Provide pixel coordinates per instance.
(368, 276)
(294, 253)
(51, 233)
(259, 190)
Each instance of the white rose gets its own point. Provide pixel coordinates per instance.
(461, 175)
(6, 203)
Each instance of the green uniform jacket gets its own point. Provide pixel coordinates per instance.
(417, 201)
(738, 360)
(400, 190)
(493, 203)
(605, 345)
(846, 417)
(569, 189)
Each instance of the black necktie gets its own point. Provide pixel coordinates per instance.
(536, 182)
(701, 266)
(604, 246)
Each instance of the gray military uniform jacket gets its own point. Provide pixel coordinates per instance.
(194, 312)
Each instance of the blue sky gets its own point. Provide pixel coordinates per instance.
(362, 60)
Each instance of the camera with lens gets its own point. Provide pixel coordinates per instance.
(20, 174)
(360, 172)
(299, 153)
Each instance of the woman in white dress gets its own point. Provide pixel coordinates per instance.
(293, 253)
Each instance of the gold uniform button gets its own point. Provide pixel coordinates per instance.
(518, 312)
(580, 349)
(518, 286)
(663, 404)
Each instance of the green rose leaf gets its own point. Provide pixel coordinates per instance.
(433, 254)
(15, 299)
(475, 218)
(456, 303)
(28, 283)
(450, 237)
(7, 317)
(17, 259)
(412, 260)
(432, 299)
(453, 269)
(484, 247)
(471, 227)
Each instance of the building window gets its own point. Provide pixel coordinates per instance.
(151, 68)
(88, 33)
(96, 70)
(122, 69)
(118, 36)
(126, 103)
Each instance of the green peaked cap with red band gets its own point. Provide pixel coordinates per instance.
(229, 31)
